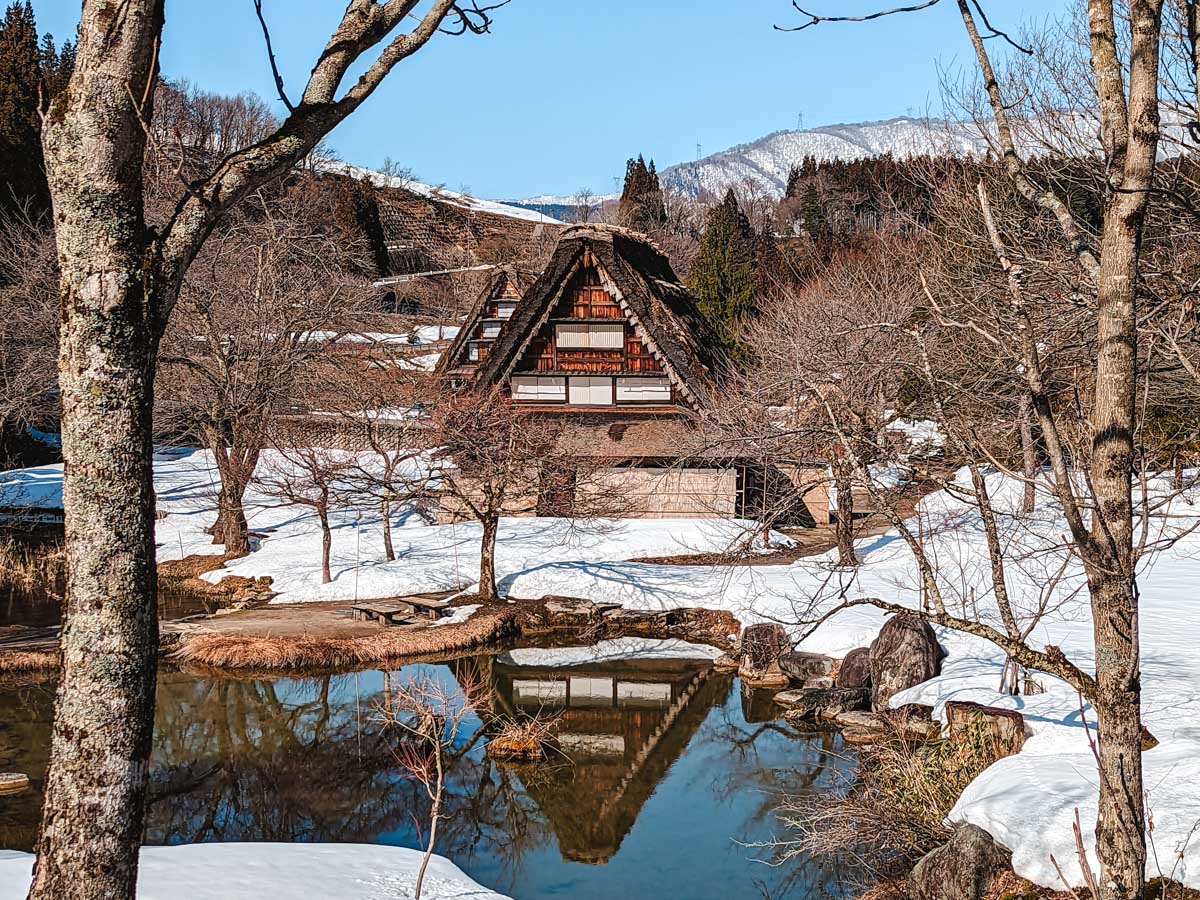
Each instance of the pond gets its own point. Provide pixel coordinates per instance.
(667, 776)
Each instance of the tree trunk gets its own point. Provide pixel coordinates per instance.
(385, 511)
(326, 543)
(1029, 463)
(104, 710)
(1120, 826)
(844, 515)
(94, 804)
(435, 815)
(236, 466)
(487, 559)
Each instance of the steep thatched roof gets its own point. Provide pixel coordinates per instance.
(639, 276)
(456, 354)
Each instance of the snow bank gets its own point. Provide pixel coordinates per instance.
(37, 488)
(257, 871)
(454, 198)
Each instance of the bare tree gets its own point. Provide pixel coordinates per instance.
(119, 281)
(494, 459)
(1124, 56)
(430, 718)
(28, 325)
(261, 307)
(312, 477)
(491, 461)
(380, 401)
(819, 347)
(584, 201)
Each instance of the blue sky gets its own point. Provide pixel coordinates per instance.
(563, 91)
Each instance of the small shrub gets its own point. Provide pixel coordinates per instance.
(893, 809)
(523, 741)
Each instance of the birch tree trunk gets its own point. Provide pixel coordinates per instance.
(1029, 462)
(326, 542)
(844, 523)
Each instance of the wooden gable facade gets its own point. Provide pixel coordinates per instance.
(607, 327)
(485, 323)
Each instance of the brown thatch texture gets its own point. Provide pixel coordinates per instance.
(275, 653)
(640, 273)
(184, 575)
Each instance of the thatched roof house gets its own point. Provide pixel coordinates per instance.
(609, 342)
(608, 324)
(488, 318)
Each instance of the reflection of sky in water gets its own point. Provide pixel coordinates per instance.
(661, 785)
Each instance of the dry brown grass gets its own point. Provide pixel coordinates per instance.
(23, 662)
(523, 741)
(35, 569)
(893, 810)
(184, 575)
(276, 653)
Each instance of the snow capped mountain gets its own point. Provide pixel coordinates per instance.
(766, 161)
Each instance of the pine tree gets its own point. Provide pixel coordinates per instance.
(22, 173)
(642, 206)
(812, 214)
(724, 277)
(793, 183)
(57, 66)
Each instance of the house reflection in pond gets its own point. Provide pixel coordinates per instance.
(621, 725)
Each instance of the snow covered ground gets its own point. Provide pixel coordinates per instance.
(428, 557)
(1028, 801)
(256, 871)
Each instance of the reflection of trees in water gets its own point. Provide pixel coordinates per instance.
(235, 761)
(25, 716)
(309, 761)
(746, 764)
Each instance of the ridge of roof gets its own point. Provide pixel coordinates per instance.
(640, 277)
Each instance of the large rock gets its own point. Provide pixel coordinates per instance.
(962, 869)
(571, 610)
(825, 702)
(762, 646)
(988, 729)
(855, 671)
(799, 666)
(905, 654)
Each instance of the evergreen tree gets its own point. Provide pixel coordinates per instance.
(812, 214)
(724, 277)
(28, 68)
(642, 206)
(57, 66)
(793, 183)
(22, 173)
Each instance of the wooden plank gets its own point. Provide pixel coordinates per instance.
(427, 604)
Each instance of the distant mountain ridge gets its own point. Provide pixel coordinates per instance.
(767, 160)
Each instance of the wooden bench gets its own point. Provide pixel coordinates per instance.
(413, 611)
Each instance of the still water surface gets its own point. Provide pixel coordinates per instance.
(667, 774)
